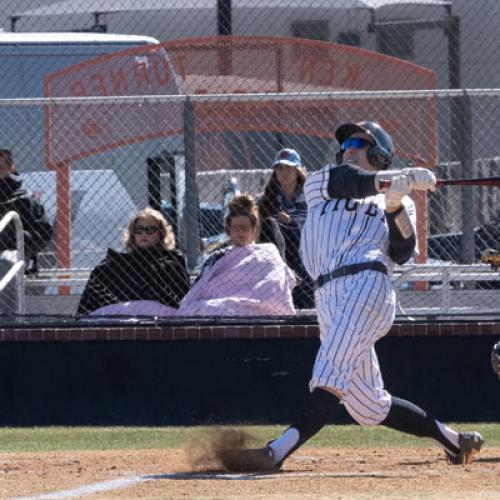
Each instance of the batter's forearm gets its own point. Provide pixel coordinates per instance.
(348, 181)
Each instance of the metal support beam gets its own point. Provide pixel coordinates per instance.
(191, 224)
(464, 145)
(224, 17)
(13, 21)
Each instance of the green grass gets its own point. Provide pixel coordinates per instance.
(132, 438)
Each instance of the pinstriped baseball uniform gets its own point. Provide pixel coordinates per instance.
(356, 310)
(348, 245)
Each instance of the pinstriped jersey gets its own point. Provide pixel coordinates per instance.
(341, 231)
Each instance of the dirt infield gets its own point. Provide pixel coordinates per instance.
(310, 473)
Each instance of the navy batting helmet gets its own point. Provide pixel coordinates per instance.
(380, 154)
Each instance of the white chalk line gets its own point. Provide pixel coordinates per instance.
(124, 482)
(89, 489)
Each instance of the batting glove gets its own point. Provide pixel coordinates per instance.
(385, 175)
(423, 178)
(401, 185)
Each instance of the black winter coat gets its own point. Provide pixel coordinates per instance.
(143, 274)
(37, 229)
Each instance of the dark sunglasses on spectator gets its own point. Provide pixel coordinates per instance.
(355, 143)
(145, 229)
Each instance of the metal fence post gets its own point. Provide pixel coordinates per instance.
(191, 223)
(466, 158)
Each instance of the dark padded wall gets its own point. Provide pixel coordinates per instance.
(226, 381)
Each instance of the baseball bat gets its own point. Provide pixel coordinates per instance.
(480, 181)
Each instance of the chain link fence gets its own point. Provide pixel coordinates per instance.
(180, 106)
(455, 39)
(223, 145)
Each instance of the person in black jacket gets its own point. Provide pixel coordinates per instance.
(283, 211)
(149, 269)
(37, 229)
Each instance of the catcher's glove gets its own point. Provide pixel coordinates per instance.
(491, 257)
(495, 359)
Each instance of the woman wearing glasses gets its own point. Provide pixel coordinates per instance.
(149, 269)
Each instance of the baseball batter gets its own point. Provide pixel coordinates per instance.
(353, 234)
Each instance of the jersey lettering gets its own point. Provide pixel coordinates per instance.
(372, 210)
(336, 204)
(350, 205)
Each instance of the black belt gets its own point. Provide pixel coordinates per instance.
(349, 269)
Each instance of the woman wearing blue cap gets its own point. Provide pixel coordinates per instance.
(283, 211)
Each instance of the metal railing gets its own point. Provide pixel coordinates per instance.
(422, 290)
(448, 289)
(17, 270)
(55, 278)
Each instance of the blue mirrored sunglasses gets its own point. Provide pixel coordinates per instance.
(355, 143)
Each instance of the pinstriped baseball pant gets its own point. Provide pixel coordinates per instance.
(353, 313)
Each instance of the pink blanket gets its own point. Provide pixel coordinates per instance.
(247, 281)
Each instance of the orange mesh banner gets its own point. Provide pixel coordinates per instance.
(411, 122)
(76, 131)
(235, 65)
(274, 64)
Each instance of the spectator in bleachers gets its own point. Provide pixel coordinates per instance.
(37, 230)
(244, 277)
(283, 211)
(151, 268)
